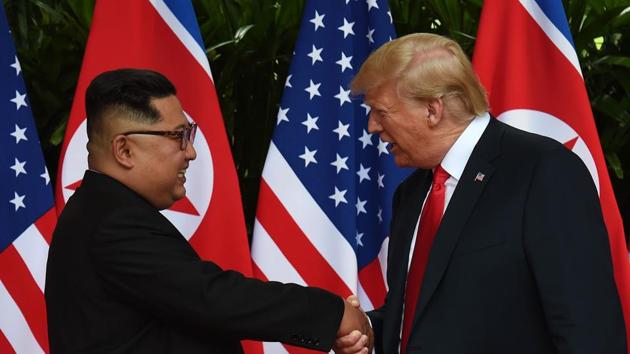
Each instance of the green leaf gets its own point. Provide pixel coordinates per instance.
(614, 60)
(614, 163)
(242, 31)
(57, 136)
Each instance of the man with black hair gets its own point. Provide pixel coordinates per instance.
(122, 279)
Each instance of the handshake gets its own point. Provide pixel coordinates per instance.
(355, 334)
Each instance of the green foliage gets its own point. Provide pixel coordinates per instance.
(249, 47)
(250, 43)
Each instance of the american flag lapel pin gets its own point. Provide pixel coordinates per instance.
(479, 177)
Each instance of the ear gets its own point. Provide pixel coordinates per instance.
(122, 151)
(435, 111)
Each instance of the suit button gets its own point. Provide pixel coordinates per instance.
(316, 342)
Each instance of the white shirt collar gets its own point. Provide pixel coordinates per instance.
(457, 156)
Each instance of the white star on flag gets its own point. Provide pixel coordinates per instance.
(18, 201)
(346, 28)
(16, 65)
(360, 205)
(371, 4)
(310, 123)
(344, 62)
(340, 163)
(342, 130)
(343, 96)
(363, 173)
(308, 156)
(318, 20)
(45, 175)
(288, 82)
(380, 181)
(359, 239)
(366, 139)
(382, 147)
(19, 100)
(369, 35)
(282, 115)
(315, 55)
(339, 197)
(313, 89)
(19, 134)
(18, 167)
(367, 107)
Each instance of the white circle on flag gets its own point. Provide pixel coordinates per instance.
(199, 180)
(545, 124)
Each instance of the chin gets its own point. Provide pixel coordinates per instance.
(402, 162)
(179, 195)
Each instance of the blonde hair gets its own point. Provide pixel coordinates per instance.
(425, 66)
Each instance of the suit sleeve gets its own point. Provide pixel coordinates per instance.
(567, 247)
(377, 315)
(145, 262)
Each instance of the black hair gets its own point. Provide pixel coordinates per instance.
(128, 91)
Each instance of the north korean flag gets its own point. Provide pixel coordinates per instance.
(163, 35)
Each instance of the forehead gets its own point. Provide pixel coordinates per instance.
(171, 112)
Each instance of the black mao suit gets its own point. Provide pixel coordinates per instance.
(520, 263)
(122, 279)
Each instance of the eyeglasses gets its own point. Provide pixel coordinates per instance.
(187, 135)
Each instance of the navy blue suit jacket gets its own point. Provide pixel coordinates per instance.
(520, 264)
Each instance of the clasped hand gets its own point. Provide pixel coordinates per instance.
(355, 333)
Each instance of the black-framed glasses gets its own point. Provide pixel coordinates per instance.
(186, 135)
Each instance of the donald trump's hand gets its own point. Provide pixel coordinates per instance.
(355, 341)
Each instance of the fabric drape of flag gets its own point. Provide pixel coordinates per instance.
(525, 57)
(27, 212)
(324, 205)
(163, 35)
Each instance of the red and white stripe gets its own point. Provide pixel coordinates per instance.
(22, 281)
(295, 242)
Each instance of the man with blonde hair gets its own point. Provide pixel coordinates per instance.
(497, 239)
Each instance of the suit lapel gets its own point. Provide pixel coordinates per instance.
(409, 210)
(476, 176)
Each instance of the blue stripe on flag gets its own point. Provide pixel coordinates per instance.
(185, 13)
(555, 12)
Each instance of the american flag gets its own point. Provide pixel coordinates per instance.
(27, 216)
(543, 92)
(324, 205)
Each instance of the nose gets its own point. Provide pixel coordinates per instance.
(191, 153)
(373, 125)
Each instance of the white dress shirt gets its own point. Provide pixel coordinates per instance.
(454, 163)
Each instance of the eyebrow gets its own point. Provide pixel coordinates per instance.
(183, 126)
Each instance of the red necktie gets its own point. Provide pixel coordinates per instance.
(429, 223)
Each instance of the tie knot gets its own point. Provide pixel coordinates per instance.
(440, 176)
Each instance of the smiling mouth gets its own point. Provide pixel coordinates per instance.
(182, 174)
